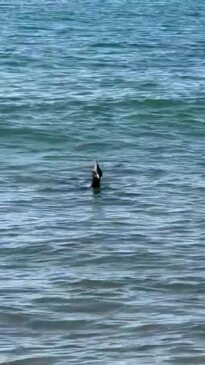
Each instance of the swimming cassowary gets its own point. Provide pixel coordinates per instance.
(96, 176)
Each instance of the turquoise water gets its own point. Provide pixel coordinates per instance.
(115, 278)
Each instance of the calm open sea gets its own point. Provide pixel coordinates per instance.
(115, 278)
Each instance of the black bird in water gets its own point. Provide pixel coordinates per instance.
(96, 176)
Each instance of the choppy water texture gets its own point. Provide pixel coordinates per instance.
(117, 277)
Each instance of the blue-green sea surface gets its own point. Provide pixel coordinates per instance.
(118, 277)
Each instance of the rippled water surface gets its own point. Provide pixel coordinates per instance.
(117, 277)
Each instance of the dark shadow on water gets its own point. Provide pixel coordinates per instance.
(96, 191)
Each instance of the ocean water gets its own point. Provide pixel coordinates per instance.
(118, 277)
